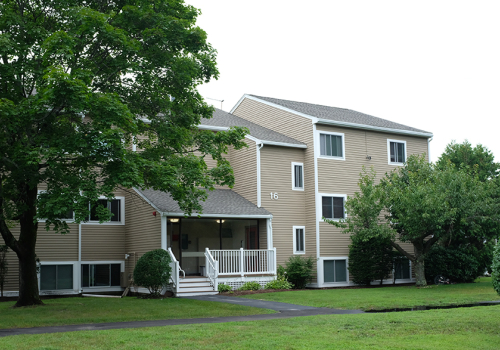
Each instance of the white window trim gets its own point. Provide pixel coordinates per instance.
(76, 275)
(122, 212)
(293, 176)
(321, 272)
(318, 136)
(295, 251)
(319, 205)
(389, 152)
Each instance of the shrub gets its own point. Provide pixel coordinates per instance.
(153, 271)
(224, 288)
(299, 271)
(457, 264)
(370, 260)
(279, 283)
(252, 285)
(495, 269)
(281, 272)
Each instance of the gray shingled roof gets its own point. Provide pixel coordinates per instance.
(338, 114)
(224, 119)
(221, 202)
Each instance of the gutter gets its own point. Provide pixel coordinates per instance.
(374, 128)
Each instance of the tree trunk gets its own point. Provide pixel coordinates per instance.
(420, 270)
(28, 279)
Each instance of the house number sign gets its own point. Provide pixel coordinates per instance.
(274, 195)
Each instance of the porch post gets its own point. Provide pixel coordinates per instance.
(269, 230)
(163, 230)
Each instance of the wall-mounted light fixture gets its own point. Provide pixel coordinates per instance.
(174, 220)
(219, 221)
(368, 157)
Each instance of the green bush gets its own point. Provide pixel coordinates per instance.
(457, 264)
(153, 271)
(495, 269)
(252, 285)
(279, 283)
(370, 260)
(281, 272)
(224, 288)
(299, 271)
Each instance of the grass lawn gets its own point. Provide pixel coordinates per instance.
(67, 311)
(388, 297)
(468, 328)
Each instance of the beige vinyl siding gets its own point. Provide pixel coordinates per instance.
(301, 129)
(289, 209)
(53, 246)
(244, 164)
(142, 231)
(342, 176)
(262, 234)
(12, 278)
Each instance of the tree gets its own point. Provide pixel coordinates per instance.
(477, 161)
(370, 253)
(427, 204)
(495, 275)
(3, 267)
(80, 84)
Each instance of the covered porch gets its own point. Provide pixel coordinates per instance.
(229, 242)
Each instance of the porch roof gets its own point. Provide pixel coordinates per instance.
(220, 202)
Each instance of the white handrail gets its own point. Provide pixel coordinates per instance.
(212, 268)
(172, 256)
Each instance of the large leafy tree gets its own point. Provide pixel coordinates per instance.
(82, 84)
(477, 161)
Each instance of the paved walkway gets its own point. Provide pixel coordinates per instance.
(284, 311)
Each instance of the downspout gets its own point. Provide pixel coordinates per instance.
(429, 148)
(259, 195)
(319, 268)
(163, 230)
(80, 258)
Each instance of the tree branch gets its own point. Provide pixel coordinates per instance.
(402, 251)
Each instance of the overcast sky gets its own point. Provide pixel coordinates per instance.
(433, 65)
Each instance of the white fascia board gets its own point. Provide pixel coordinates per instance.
(212, 127)
(275, 143)
(272, 105)
(373, 128)
(222, 216)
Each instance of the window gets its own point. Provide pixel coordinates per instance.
(114, 206)
(54, 277)
(332, 145)
(333, 207)
(402, 269)
(298, 240)
(335, 271)
(297, 176)
(397, 151)
(101, 275)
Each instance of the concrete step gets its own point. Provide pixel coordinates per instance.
(194, 284)
(194, 294)
(195, 289)
(194, 279)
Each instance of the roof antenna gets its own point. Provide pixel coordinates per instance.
(214, 99)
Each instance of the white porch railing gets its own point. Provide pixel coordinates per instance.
(175, 272)
(245, 262)
(212, 269)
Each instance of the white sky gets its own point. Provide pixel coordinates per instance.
(433, 65)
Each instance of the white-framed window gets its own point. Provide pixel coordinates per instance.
(116, 206)
(396, 152)
(101, 275)
(299, 240)
(335, 270)
(56, 276)
(331, 145)
(297, 176)
(333, 206)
